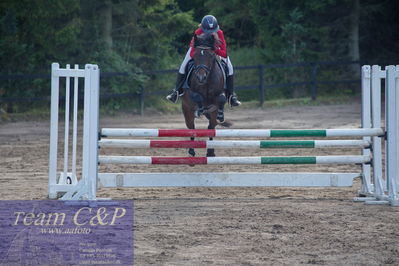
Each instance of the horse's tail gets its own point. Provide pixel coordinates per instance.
(225, 123)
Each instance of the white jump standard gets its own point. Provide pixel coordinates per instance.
(82, 179)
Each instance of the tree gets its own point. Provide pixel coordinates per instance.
(353, 51)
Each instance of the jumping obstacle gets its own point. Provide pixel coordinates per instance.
(235, 160)
(247, 144)
(267, 133)
(377, 188)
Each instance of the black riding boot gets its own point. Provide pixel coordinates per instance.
(231, 96)
(178, 91)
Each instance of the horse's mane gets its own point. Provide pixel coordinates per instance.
(206, 40)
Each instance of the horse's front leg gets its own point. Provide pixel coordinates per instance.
(212, 125)
(199, 100)
(221, 101)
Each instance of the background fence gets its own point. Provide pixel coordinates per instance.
(257, 82)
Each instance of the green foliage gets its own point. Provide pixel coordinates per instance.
(120, 36)
(293, 32)
(136, 36)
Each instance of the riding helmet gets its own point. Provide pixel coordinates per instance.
(209, 24)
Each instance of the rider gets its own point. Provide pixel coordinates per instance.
(208, 24)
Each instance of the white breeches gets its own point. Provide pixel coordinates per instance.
(187, 58)
(183, 65)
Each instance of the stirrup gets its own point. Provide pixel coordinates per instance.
(236, 102)
(173, 97)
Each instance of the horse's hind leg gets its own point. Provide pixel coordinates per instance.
(191, 151)
(212, 125)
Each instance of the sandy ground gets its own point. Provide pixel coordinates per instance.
(228, 226)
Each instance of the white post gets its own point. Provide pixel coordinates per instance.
(395, 197)
(86, 129)
(376, 77)
(63, 178)
(75, 126)
(396, 181)
(366, 188)
(90, 130)
(94, 129)
(53, 131)
(392, 131)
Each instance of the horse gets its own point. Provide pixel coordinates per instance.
(206, 88)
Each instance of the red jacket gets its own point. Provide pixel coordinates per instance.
(221, 48)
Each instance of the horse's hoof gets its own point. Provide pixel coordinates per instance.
(210, 153)
(191, 152)
(198, 114)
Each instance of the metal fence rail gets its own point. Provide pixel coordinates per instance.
(261, 85)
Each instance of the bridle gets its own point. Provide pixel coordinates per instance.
(207, 69)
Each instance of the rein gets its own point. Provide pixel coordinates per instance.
(202, 66)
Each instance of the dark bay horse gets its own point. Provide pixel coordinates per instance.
(206, 94)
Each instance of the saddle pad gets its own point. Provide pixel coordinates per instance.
(190, 68)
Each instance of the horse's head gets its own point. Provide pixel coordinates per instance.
(204, 57)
